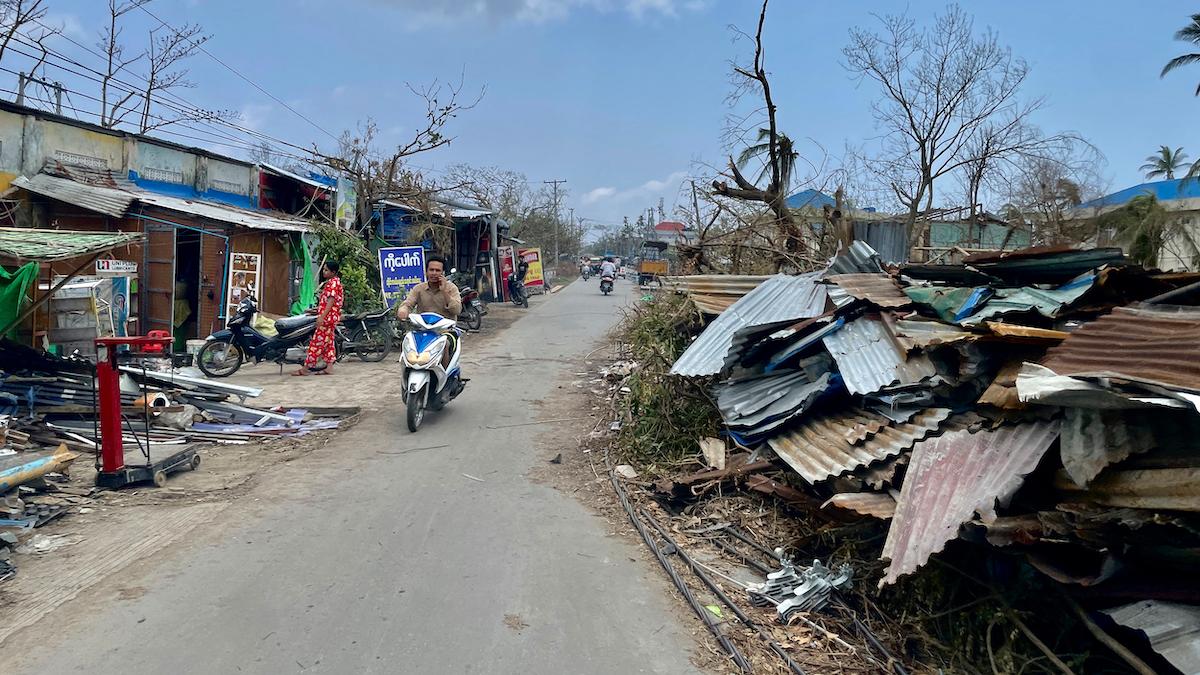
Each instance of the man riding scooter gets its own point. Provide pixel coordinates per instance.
(608, 275)
(436, 295)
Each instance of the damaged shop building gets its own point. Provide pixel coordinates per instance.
(1043, 404)
(205, 218)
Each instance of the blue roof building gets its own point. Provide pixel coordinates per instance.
(1179, 196)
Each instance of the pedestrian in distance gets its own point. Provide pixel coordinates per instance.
(321, 348)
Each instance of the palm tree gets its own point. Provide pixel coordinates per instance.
(1164, 163)
(1189, 33)
(762, 148)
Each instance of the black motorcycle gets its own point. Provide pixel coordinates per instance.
(226, 350)
(368, 335)
(516, 291)
(606, 284)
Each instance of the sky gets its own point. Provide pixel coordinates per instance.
(624, 99)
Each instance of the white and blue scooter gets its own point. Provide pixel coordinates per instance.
(427, 382)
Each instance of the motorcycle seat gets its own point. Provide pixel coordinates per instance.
(291, 323)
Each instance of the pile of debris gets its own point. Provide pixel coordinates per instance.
(49, 419)
(1044, 402)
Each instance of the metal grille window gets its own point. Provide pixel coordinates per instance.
(164, 175)
(229, 186)
(76, 159)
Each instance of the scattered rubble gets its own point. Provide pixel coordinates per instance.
(1039, 406)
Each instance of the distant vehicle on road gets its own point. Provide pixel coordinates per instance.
(653, 263)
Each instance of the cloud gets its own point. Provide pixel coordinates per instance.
(599, 194)
(70, 24)
(256, 115)
(535, 11)
(649, 191)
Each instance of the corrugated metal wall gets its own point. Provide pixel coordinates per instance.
(889, 239)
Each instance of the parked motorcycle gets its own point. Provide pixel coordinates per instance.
(430, 380)
(472, 312)
(606, 284)
(225, 350)
(516, 291)
(368, 335)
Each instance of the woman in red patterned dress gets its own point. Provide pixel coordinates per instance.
(329, 314)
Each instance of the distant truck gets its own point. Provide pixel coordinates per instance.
(653, 263)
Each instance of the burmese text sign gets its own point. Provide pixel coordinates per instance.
(400, 268)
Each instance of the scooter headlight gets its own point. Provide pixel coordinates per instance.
(416, 358)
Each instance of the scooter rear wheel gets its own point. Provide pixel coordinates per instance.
(416, 409)
(219, 359)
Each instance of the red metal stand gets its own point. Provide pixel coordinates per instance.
(113, 470)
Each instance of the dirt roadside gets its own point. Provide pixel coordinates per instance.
(101, 534)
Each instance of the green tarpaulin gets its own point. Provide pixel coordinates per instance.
(14, 288)
(308, 287)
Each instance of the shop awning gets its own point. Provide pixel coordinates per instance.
(109, 201)
(226, 214)
(54, 245)
(116, 202)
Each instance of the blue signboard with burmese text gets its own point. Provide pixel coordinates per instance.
(400, 268)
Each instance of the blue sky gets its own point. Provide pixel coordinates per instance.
(622, 98)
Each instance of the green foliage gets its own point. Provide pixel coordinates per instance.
(360, 269)
(664, 415)
(1164, 163)
(1147, 230)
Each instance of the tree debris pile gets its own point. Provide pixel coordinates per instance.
(1024, 421)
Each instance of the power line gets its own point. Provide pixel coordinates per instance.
(233, 70)
(184, 106)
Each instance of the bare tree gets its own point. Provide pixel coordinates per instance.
(115, 100)
(1044, 190)
(15, 17)
(946, 90)
(168, 47)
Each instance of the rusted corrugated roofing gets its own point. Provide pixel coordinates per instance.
(913, 334)
(714, 293)
(952, 477)
(832, 445)
(107, 200)
(879, 289)
(870, 358)
(877, 504)
(778, 301)
(1144, 344)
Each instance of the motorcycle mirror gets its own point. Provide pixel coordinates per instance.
(453, 270)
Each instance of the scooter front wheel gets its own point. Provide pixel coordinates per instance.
(219, 359)
(416, 409)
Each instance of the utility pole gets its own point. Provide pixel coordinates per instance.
(23, 80)
(557, 220)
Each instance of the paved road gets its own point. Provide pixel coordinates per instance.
(375, 555)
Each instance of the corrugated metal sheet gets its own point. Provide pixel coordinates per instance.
(876, 504)
(51, 245)
(952, 477)
(1044, 264)
(1093, 439)
(858, 259)
(226, 214)
(879, 289)
(914, 334)
(1048, 303)
(750, 403)
(890, 239)
(714, 293)
(870, 358)
(1160, 346)
(1026, 333)
(1173, 629)
(109, 201)
(116, 202)
(832, 445)
(776, 302)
